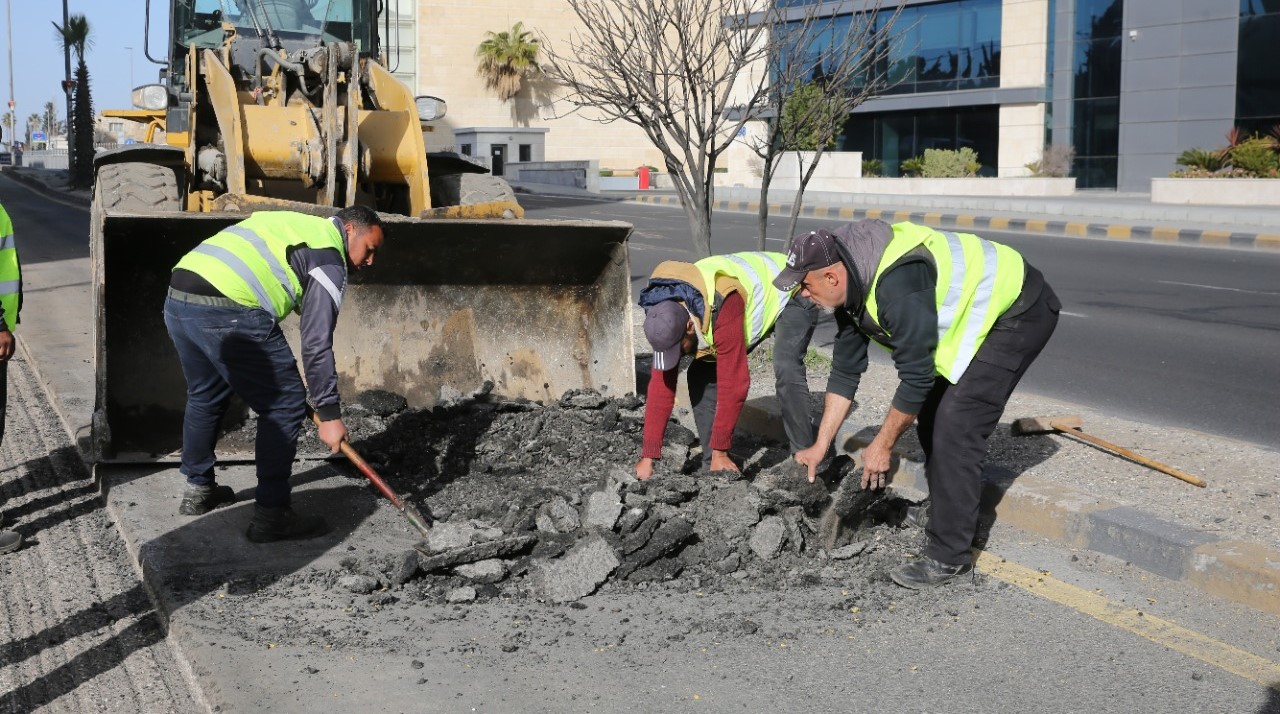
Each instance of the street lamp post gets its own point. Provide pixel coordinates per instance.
(130, 69)
(13, 106)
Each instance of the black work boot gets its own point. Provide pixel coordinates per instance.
(925, 572)
(273, 524)
(199, 500)
(9, 540)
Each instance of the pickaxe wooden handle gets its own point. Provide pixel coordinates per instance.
(1139, 458)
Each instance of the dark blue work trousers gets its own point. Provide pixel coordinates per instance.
(226, 349)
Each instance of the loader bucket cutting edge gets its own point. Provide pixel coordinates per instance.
(536, 307)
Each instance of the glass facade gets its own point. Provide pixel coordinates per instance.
(941, 46)
(893, 137)
(1257, 78)
(1096, 92)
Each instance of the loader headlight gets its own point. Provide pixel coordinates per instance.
(150, 96)
(430, 108)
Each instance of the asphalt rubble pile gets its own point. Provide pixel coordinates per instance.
(541, 501)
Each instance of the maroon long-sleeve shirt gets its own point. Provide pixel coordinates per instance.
(733, 381)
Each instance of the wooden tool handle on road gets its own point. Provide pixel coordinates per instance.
(1071, 431)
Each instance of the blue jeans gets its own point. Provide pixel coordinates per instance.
(240, 350)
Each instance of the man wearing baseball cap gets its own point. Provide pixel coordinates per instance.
(964, 318)
(718, 309)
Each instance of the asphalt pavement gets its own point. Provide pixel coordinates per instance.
(1078, 626)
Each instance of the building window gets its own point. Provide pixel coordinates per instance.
(526, 152)
(465, 149)
(1257, 82)
(1095, 106)
(115, 127)
(941, 46)
(894, 137)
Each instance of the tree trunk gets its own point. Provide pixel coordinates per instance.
(82, 157)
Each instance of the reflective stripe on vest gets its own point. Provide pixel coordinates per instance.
(10, 273)
(762, 302)
(248, 262)
(978, 280)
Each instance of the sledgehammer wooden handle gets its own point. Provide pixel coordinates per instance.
(408, 509)
(1071, 431)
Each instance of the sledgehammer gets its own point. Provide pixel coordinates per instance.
(1070, 425)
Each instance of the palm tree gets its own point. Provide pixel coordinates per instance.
(49, 122)
(506, 58)
(33, 124)
(75, 35)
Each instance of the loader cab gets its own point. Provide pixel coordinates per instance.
(290, 25)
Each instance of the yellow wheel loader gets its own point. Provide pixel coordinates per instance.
(288, 105)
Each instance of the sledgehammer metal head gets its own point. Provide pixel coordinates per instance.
(1045, 425)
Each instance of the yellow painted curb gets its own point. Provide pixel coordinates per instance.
(1165, 234)
(846, 212)
(1037, 225)
(1267, 241)
(1119, 232)
(965, 221)
(932, 219)
(874, 213)
(1244, 572)
(1215, 237)
(1077, 229)
(900, 216)
(999, 222)
(1160, 631)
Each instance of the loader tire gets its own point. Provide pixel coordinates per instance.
(135, 187)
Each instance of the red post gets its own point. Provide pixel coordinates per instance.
(643, 174)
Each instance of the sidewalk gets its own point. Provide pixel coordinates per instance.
(1085, 215)
(1221, 539)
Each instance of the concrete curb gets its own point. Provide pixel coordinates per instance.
(1248, 573)
(975, 221)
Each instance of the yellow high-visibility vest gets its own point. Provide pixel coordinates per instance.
(755, 271)
(978, 280)
(248, 262)
(10, 273)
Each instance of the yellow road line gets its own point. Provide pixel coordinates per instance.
(1162, 632)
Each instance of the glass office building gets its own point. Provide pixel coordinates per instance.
(1129, 83)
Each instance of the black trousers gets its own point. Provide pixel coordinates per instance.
(957, 419)
(4, 396)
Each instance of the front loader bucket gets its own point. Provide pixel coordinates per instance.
(536, 307)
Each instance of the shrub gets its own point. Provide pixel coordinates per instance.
(945, 163)
(872, 167)
(1055, 161)
(913, 166)
(606, 172)
(1256, 155)
(1205, 159)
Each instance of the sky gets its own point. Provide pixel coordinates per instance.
(37, 67)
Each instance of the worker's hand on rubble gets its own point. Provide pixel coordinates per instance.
(875, 465)
(720, 461)
(644, 469)
(811, 457)
(6, 345)
(333, 433)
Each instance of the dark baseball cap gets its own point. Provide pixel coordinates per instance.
(809, 251)
(664, 326)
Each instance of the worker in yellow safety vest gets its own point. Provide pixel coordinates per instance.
(963, 318)
(718, 309)
(10, 304)
(226, 299)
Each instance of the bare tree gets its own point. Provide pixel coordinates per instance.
(821, 69)
(673, 68)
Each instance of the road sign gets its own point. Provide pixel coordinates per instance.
(129, 141)
(38, 136)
